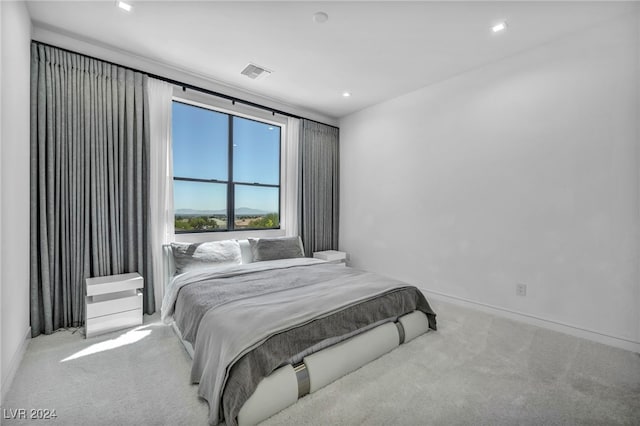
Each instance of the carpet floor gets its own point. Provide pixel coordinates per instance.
(477, 369)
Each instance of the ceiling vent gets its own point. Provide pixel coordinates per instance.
(255, 72)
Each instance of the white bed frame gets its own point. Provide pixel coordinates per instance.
(289, 383)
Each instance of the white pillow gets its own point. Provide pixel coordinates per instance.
(189, 257)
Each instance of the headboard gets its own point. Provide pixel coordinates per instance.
(169, 267)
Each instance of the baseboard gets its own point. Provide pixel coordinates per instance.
(14, 364)
(572, 330)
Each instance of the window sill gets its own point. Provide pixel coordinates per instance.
(198, 237)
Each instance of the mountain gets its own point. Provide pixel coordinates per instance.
(240, 211)
(247, 211)
(191, 212)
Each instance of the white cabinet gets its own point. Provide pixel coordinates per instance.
(112, 303)
(332, 256)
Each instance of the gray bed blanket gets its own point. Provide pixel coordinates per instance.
(252, 322)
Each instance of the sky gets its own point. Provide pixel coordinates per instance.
(200, 150)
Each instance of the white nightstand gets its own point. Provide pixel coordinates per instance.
(113, 302)
(332, 256)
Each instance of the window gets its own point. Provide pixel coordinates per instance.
(226, 171)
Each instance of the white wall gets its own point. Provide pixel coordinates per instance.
(1, 117)
(523, 171)
(14, 156)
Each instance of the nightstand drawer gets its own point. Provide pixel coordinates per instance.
(112, 322)
(114, 283)
(331, 256)
(111, 303)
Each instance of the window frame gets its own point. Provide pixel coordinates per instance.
(231, 183)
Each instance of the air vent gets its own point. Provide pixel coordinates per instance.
(255, 72)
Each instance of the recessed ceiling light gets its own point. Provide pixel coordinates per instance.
(320, 17)
(346, 94)
(124, 6)
(499, 27)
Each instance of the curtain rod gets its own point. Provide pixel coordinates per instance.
(185, 86)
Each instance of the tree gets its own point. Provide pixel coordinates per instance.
(269, 221)
(197, 223)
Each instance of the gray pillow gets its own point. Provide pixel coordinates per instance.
(189, 257)
(276, 248)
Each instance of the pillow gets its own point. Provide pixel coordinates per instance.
(189, 257)
(245, 251)
(276, 248)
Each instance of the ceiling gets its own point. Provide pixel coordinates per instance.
(375, 50)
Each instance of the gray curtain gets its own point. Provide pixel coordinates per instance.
(89, 182)
(318, 186)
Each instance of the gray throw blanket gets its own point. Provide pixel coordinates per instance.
(246, 324)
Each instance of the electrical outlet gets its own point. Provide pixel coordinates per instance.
(521, 289)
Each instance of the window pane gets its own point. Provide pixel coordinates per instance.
(256, 207)
(256, 152)
(200, 142)
(199, 206)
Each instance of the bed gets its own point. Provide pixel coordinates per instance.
(265, 325)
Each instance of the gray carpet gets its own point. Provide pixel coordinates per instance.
(478, 369)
